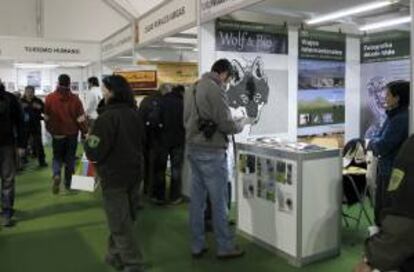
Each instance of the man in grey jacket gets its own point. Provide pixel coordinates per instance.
(208, 122)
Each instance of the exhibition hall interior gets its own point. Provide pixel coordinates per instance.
(206, 135)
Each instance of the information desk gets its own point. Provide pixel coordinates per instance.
(289, 201)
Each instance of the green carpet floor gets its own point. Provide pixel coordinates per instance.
(67, 233)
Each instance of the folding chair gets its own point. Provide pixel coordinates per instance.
(355, 192)
(355, 186)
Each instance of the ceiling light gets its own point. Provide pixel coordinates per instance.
(180, 40)
(125, 57)
(350, 11)
(73, 64)
(387, 23)
(35, 66)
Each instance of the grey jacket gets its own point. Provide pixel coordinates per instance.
(213, 105)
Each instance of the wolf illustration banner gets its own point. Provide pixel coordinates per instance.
(321, 90)
(259, 88)
(385, 57)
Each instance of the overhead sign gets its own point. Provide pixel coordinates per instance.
(212, 9)
(172, 17)
(118, 43)
(236, 36)
(322, 45)
(386, 46)
(26, 49)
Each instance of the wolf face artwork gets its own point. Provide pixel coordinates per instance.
(375, 88)
(249, 89)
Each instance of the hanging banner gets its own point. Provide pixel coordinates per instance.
(321, 90)
(259, 89)
(212, 9)
(172, 17)
(385, 57)
(140, 81)
(237, 36)
(380, 47)
(321, 45)
(118, 43)
(32, 49)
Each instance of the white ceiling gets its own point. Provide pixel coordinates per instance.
(138, 7)
(89, 20)
(295, 12)
(94, 20)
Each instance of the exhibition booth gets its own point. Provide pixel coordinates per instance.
(303, 85)
(310, 87)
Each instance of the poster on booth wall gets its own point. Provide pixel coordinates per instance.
(184, 73)
(385, 57)
(259, 90)
(142, 81)
(321, 83)
(34, 78)
(266, 179)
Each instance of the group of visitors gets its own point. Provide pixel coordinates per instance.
(129, 144)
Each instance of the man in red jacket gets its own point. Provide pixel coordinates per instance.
(65, 117)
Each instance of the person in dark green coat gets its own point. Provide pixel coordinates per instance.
(116, 145)
(392, 248)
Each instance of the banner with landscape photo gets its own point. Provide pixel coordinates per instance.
(321, 83)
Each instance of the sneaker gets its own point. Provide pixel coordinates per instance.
(7, 222)
(157, 201)
(235, 253)
(114, 261)
(177, 201)
(199, 255)
(56, 185)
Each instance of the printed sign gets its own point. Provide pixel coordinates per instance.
(321, 45)
(118, 43)
(140, 80)
(236, 36)
(174, 16)
(28, 49)
(387, 46)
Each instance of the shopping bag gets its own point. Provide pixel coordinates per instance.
(84, 178)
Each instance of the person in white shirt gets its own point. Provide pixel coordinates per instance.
(92, 100)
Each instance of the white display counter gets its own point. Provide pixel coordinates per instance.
(289, 201)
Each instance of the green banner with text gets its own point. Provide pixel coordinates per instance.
(385, 46)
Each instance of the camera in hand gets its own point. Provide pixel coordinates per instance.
(207, 127)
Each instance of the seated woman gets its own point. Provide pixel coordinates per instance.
(116, 144)
(387, 143)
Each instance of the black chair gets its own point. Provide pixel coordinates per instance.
(354, 182)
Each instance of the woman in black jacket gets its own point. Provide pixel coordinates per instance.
(392, 135)
(115, 145)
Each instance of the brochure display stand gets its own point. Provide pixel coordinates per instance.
(289, 200)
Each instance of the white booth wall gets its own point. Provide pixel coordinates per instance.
(208, 54)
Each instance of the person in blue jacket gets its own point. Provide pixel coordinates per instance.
(392, 135)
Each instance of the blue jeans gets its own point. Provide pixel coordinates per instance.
(64, 152)
(209, 174)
